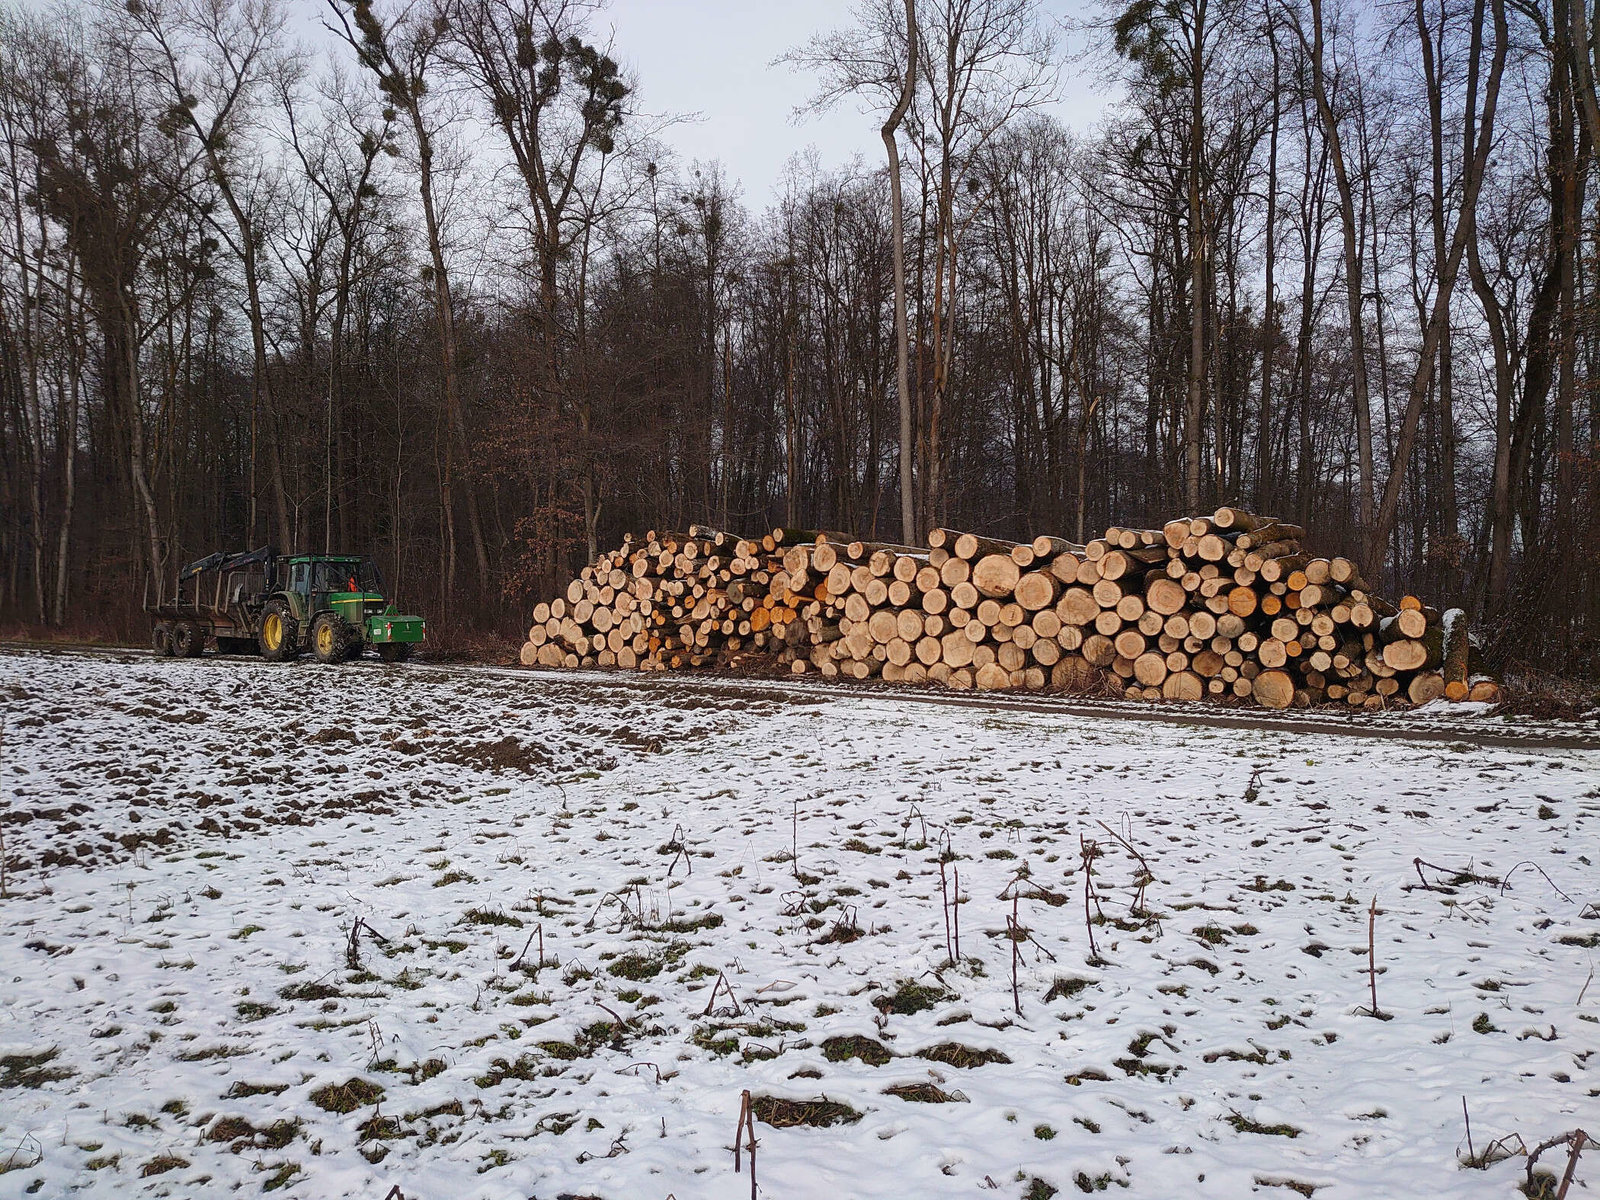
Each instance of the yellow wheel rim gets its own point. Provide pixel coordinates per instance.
(325, 639)
(272, 631)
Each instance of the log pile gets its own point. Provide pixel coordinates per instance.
(1223, 607)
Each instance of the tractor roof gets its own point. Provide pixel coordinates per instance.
(314, 558)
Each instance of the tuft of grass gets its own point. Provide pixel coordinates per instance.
(691, 925)
(842, 1049)
(637, 967)
(484, 916)
(311, 990)
(781, 1113)
(954, 1054)
(1244, 1124)
(346, 1097)
(240, 1090)
(281, 1177)
(909, 998)
(208, 1053)
(924, 1093)
(1044, 1133)
(161, 1164)
(30, 1071)
(1294, 1185)
(1066, 989)
(243, 1134)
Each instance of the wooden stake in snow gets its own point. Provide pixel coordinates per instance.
(746, 1127)
(944, 906)
(1014, 932)
(1372, 959)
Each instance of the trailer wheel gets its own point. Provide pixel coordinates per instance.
(161, 639)
(394, 652)
(330, 639)
(279, 633)
(187, 640)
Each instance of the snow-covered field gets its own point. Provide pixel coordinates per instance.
(338, 931)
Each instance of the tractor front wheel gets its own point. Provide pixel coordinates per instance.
(394, 652)
(330, 639)
(161, 639)
(279, 633)
(188, 640)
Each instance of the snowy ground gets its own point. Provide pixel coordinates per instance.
(183, 1011)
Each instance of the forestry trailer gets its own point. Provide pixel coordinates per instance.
(280, 605)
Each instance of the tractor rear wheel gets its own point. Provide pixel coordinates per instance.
(161, 639)
(279, 633)
(393, 652)
(330, 639)
(188, 640)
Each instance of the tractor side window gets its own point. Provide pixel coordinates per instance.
(369, 579)
(298, 578)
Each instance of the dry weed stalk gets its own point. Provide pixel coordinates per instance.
(352, 950)
(1016, 933)
(1089, 851)
(538, 932)
(1145, 877)
(717, 989)
(679, 846)
(1576, 1140)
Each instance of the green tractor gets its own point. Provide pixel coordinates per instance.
(281, 605)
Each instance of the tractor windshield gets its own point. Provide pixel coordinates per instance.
(346, 575)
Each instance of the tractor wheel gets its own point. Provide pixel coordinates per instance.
(188, 640)
(279, 633)
(161, 639)
(394, 652)
(330, 639)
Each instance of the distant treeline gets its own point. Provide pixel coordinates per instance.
(438, 289)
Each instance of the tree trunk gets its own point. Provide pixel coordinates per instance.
(908, 501)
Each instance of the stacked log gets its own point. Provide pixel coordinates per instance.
(1228, 606)
(667, 602)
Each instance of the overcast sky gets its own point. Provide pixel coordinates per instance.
(714, 58)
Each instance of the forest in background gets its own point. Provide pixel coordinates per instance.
(438, 289)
